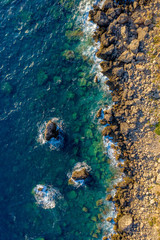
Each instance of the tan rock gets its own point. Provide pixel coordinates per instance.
(125, 223)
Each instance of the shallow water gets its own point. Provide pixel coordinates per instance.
(40, 80)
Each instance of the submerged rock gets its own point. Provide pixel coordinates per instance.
(51, 130)
(45, 196)
(80, 174)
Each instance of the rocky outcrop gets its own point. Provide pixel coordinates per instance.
(51, 130)
(80, 174)
(129, 48)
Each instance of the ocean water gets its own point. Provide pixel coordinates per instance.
(47, 66)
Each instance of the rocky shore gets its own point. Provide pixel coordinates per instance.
(129, 38)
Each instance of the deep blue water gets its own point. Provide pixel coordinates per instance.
(39, 81)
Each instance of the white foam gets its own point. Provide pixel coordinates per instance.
(55, 144)
(88, 48)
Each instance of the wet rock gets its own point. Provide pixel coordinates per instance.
(126, 57)
(84, 209)
(118, 71)
(95, 80)
(103, 121)
(101, 19)
(109, 219)
(69, 54)
(109, 197)
(46, 196)
(106, 40)
(107, 4)
(106, 66)
(107, 131)
(125, 223)
(80, 174)
(134, 45)
(99, 113)
(123, 18)
(51, 130)
(105, 52)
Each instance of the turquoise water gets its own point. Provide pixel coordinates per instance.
(45, 74)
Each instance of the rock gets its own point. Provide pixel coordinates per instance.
(94, 219)
(95, 80)
(107, 4)
(106, 66)
(134, 45)
(125, 223)
(106, 40)
(84, 209)
(109, 197)
(107, 131)
(101, 19)
(126, 57)
(99, 113)
(118, 71)
(123, 18)
(108, 115)
(105, 52)
(45, 196)
(111, 13)
(124, 127)
(139, 20)
(69, 54)
(142, 33)
(140, 56)
(124, 32)
(80, 174)
(135, 4)
(109, 219)
(51, 130)
(103, 121)
(147, 22)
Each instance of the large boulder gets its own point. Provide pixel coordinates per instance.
(124, 127)
(123, 18)
(101, 19)
(125, 223)
(142, 33)
(126, 57)
(104, 53)
(134, 45)
(81, 173)
(51, 130)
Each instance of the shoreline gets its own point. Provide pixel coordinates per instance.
(129, 37)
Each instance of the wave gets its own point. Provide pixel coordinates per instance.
(55, 144)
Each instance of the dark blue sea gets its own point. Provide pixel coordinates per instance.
(47, 67)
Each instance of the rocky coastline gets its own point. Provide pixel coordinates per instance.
(129, 36)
